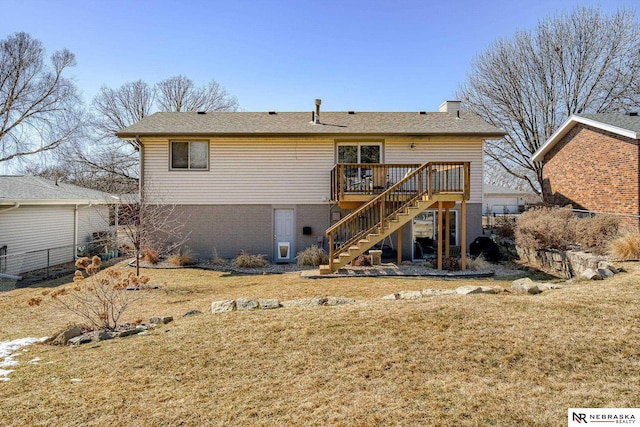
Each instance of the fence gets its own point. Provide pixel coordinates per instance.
(43, 260)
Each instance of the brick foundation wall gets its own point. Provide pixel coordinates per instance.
(594, 170)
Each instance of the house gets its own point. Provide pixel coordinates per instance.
(45, 223)
(277, 183)
(592, 162)
(499, 200)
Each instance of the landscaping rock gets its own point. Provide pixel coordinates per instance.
(192, 313)
(605, 272)
(247, 304)
(105, 335)
(319, 301)
(65, 336)
(296, 302)
(269, 304)
(609, 266)
(339, 300)
(161, 320)
(81, 339)
(410, 294)
(467, 290)
(436, 292)
(526, 285)
(591, 274)
(223, 306)
(391, 297)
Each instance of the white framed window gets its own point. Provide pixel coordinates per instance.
(190, 155)
(359, 152)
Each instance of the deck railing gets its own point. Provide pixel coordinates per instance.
(425, 180)
(366, 178)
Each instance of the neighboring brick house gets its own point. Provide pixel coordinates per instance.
(592, 163)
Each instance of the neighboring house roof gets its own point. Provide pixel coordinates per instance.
(299, 123)
(499, 191)
(617, 123)
(35, 190)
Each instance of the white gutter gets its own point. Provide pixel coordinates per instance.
(16, 206)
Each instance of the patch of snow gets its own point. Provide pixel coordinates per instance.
(7, 348)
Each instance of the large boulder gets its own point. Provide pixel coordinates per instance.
(223, 306)
(526, 285)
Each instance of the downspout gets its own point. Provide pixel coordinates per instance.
(75, 228)
(15, 206)
(141, 178)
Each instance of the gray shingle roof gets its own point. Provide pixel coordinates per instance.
(299, 123)
(38, 190)
(622, 121)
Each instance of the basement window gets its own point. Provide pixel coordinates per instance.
(192, 155)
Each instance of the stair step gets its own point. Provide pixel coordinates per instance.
(324, 269)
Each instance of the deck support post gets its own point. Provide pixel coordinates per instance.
(463, 235)
(439, 234)
(447, 232)
(400, 245)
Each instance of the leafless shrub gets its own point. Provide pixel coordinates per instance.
(247, 260)
(100, 299)
(313, 256)
(505, 227)
(626, 247)
(546, 228)
(451, 264)
(596, 233)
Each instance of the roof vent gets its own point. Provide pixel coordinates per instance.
(351, 112)
(202, 112)
(272, 113)
(423, 112)
(633, 113)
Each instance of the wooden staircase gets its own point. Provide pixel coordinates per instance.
(386, 213)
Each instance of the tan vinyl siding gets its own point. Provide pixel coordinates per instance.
(285, 170)
(439, 150)
(245, 171)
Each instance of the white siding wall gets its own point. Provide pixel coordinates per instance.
(90, 220)
(31, 228)
(36, 228)
(283, 170)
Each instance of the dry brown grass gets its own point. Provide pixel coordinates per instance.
(448, 361)
(182, 258)
(626, 247)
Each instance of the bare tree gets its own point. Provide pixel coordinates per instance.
(122, 107)
(179, 93)
(39, 107)
(150, 224)
(581, 62)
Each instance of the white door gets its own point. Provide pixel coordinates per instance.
(283, 226)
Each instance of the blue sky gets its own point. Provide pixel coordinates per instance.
(402, 55)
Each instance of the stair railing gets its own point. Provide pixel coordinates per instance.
(371, 218)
